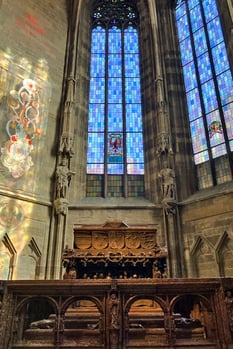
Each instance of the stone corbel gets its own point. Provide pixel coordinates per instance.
(169, 206)
(61, 206)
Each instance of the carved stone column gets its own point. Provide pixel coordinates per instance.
(6, 319)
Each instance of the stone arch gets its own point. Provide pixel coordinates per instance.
(224, 254)
(31, 257)
(7, 258)
(202, 253)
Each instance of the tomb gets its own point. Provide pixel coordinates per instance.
(115, 250)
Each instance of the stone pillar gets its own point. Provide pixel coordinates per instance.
(63, 172)
(166, 175)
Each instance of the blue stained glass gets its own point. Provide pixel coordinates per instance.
(95, 168)
(135, 169)
(114, 90)
(210, 9)
(228, 114)
(196, 18)
(198, 135)
(134, 145)
(219, 150)
(200, 42)
(190, 79)
(215, 128)
(220, 58)
(102, 146)
(133, 118)
(132, 90)
(186, 51)
(97, 90)
(183, 28)
(204, 67)
(98, 40)
(192, 3)
(114, 65)
(97, 65)
(209, 96)
(201, 157)
(114, 40)
(132, 65)
(95, 151)
(115, 122)
(130, 40)
(215, 32)
(96, 117)
(115, 169)
(180, 10)
(225, 85)
(194, 104)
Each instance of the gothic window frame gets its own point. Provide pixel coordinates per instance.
(123, 16)
(198, 50)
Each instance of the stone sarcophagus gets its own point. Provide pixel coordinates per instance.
(115, 250)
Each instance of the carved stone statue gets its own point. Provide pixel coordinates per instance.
(62, 176)
(167, 176)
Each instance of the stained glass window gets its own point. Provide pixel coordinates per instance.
(115, 139)
(209, 89)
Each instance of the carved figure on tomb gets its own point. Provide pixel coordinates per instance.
(114, 310)
(164, 274)
(108, 277)
(71, 274)
(156, 271)
(42, 324)
(229, 306)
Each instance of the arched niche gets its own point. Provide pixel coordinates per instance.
(35, 321)
(83, 322)
(144, 321)
(193, 318)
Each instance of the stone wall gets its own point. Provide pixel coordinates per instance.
(208, 234)
(32, 45)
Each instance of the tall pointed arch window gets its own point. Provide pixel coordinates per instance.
(209, 89)
(115, 160)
